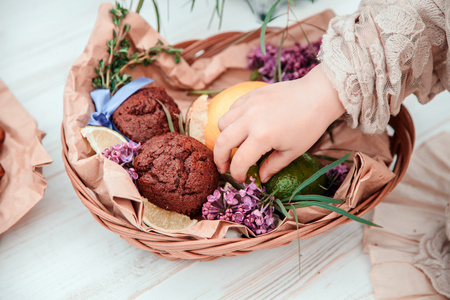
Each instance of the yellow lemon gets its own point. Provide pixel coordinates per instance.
(100, 137)
(203, 116)
(164, 220)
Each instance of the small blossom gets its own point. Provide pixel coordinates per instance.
(295, 62)
(338, 173)
(124, 154)
(336, 177)
(242, 207)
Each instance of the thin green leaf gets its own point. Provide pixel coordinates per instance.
(203, 92)
(250, 5)
(271, 195)
(192, 5)
(282, 209)
(319, 198)
(211, 18)
(335, 209)
(278, 59)
(332, 158)
(155, 5)
(168, 116)
(319, 173)
(307, 40)
(188, 125)
(264, 26)
(298, 239)
(180, 123)
(221, 14)
(139, 6)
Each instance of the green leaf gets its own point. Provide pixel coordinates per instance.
(332, 158)
(139, 6)
(319, 173)
(180, 123)
(155, 5)
(221, 14)
(298, 240)
(319, 198)
(116, 21)
(204, 92)
(278, 59)
(188, 128)
(168, 116)
(250, 6)
(335, 209)
(264, 26)
(282, 209)
(255, 75)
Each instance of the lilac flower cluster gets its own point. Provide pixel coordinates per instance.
(338, 173)
(246, 206)
(124, 154)
(337, 176)
(295, 62)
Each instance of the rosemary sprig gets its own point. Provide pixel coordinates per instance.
(110, 74)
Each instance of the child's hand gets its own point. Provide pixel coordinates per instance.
(288, 117)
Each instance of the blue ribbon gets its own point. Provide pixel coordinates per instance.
(106, 105)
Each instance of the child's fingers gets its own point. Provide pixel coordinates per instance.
(228, 118)
(276, 161)
(231, 137)
(241, 100)
(247, 155)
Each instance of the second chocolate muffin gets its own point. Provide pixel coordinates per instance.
(141, 117)
(176, 172)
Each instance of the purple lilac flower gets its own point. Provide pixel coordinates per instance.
(124, 154)
(242, 206)
(336, 177)
(295, 62)
(338, 174)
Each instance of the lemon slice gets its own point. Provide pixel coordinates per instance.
(100, 137)
(164, 220)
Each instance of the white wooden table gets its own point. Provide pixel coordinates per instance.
(58, 250)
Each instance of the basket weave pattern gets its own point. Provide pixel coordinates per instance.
(174, 248)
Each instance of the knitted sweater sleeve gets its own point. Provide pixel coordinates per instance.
(384, 52)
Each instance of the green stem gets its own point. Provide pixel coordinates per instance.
(139, 6)
(155, 5)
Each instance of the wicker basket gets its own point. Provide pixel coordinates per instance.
(174, 248)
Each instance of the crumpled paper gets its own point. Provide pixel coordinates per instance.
(22, 156)
(111, 184)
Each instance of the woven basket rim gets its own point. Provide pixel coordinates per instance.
(181, 247)
(175, 248)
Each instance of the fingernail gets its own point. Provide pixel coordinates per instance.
(264, 179)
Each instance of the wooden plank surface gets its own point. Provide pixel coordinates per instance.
(58, 250)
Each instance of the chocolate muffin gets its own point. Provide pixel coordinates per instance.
(176, 172)
(141, 117)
